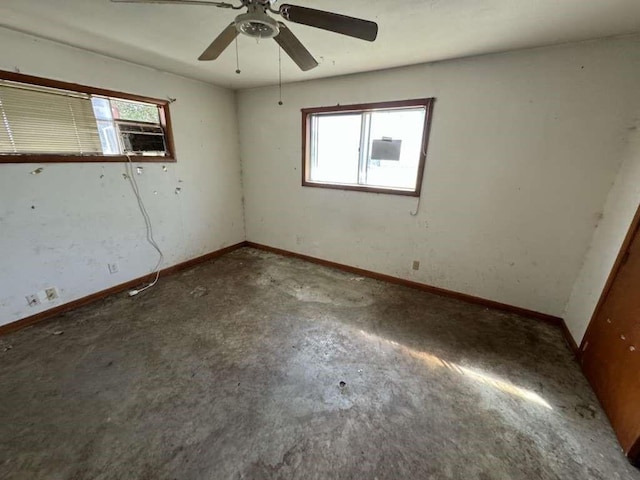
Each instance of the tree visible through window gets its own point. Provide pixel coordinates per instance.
(135, 111)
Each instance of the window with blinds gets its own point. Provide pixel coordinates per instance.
(49, 121)
(42, 120)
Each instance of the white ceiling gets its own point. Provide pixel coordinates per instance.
(171, 37)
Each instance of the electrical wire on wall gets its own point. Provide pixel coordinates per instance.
(415, 214)
(148, 226)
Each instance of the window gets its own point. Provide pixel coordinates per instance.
(375, 147)
(49, 121)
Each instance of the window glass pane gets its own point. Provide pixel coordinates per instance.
(135, 111)
(108, 137)
(101, 108)
(335, 148)
(406, 126)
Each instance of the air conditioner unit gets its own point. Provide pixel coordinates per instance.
(141, 138)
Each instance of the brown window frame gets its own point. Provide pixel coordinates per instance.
(363, 108)
(163, 110)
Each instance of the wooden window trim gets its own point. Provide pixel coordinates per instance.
(359, 108)
(163, 110)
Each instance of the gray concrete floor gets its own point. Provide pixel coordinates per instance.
(233, 369)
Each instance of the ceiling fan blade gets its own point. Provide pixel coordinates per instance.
(294, 48)
(180, 2)
(353, 27)
(218, 46)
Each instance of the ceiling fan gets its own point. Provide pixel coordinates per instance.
(257, 23)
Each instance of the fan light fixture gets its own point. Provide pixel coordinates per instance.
(257, 25)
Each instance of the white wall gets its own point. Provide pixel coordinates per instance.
(524, 149)
(619, 210)
(60, 228)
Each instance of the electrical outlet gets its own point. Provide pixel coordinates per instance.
(113, 268)
(52, 293)
(416, 265)
(32, 300)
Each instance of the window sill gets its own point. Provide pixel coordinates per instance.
(51, 158)
(363, 188)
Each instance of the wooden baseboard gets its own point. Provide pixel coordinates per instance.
(419, 286)
(39, 317)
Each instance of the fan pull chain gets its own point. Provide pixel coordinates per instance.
(280, 74)
(237, 58)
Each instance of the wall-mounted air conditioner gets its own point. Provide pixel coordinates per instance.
(141, 138)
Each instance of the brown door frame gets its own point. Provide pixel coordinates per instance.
(631, 233)
(634, 229)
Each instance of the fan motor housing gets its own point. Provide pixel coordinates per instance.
(257, 24)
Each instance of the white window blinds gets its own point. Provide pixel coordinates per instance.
(44, 120)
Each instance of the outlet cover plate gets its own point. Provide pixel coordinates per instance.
(52, 293)
(32, 300)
